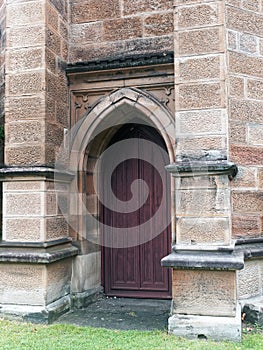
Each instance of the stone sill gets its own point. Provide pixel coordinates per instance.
(34, 256)
(7, 173)
(201, 260)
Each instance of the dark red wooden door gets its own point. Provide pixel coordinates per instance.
(135, 271)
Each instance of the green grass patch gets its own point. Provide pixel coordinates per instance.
(23, 336)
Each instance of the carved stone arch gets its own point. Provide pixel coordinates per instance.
(118, 108)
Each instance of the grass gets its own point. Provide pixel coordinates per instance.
(22, 336)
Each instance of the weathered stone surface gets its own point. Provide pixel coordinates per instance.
(200, 41)
(246, 177)
(244, 226)
(159, 24)
(25, 13)
(245, 155)
(22, 60)
(246, 65)
(198, 96)
(201, 122)
(255, 89)
(194, 231)
(92, 10)
(121, 29)
(236, 86)
(244, 21)
(255, 134)
(58, 277)
(237, 132)
(29, 155)
(247, 201)
(198, 15)
(246, 110)
(202, 202)
(209, 293)
(26, 36)
(25, 84)
(249, 280)
(206, 327)
(32, 288)
(201, 68)
(22, 204)
(139, 6)
(23, 230)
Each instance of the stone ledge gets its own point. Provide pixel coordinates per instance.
(36, 314)
(34, 256)
(37, 171)
(122, 62)
(202, 167)
(202, 260)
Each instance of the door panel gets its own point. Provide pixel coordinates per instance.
(136, 271)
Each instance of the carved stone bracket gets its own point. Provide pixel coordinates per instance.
(187, 168)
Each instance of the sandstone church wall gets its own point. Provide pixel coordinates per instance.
(109, 28)
(244, 22)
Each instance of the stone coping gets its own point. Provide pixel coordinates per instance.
(48, 244)
(34, 256)
(122, 62)
(39, 171)
(194, 260)
(193, 168)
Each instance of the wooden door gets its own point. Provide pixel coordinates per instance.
(136, 271)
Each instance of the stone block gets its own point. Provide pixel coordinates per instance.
(86, 272)
(52, 16)
(202, 182)
(245, 110)
(200, 68)
(26, 155)
(86, 33)
(248, 43)
(246, 177)
(199, 15)
(51, 203)
(206, 327)
(26, 36)
(247, 201)
(20, 108)
(204, 202)
(236, 86)
(92, 10)
(24, 186)
(201, 143)
(26, 204)
(131, 7)
(57, 279)
(249, 280)
(201, 41)
(203, 122)
(56, 227)
(260, 178)
(240, 63)
(238, 132)
(255, 89)
(20, 14)
(199, 96)
(31, 290)
(22, 60)
(208, 293)
(246, 226)
(194, 231)
(159, 24)
(244, 21)
(25, 132)
(122, 29)
(53, 42)
(252, 5)
(245, 155)
(232, 40)
(23, 230)
(255, 134)
(25, 84)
